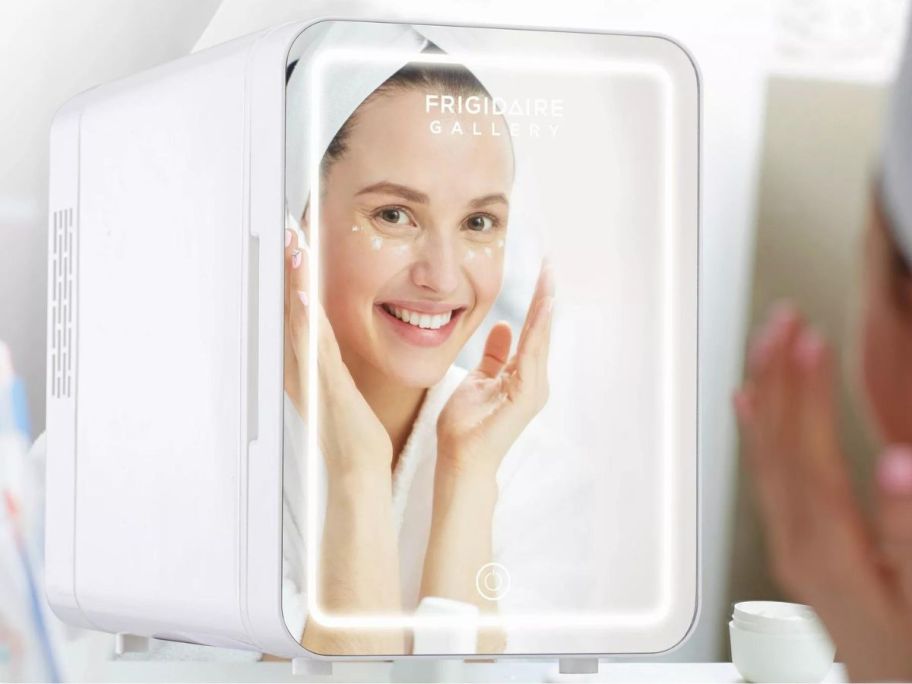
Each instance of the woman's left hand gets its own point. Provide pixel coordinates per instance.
(495, 402)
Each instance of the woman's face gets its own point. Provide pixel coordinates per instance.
(886, 341)
(413, 234)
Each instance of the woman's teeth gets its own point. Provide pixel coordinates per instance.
(420, 320)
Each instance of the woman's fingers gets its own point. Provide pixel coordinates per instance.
(290, 246)
(536, 343)
(531, 338)
(774, 379)
(544, 287)
(894, 511)
(497, 350)
(770, 438)
(545, 343)
(296, 301)
(767, 410)
(816, 531)
(295, 351)
(768, 479)
(531, 362)
(532, 350)
(302, 312)
(821, 452)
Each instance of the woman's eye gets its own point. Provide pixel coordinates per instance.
(480, 223)
(395, 216)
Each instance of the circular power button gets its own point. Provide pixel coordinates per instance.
(492, 581)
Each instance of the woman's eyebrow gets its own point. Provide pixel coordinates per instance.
(395, 189)
(489, 199)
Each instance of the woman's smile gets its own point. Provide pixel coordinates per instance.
(425, 324)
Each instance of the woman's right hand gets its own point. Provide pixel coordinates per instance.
(350, 435)
(856, 573)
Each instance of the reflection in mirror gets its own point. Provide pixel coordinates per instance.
(476, 344)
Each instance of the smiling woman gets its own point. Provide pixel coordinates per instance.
(413, 228)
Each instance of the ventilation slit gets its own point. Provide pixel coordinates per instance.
(62, 304)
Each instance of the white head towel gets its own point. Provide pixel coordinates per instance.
(378, 50)
(349, 85)
(896, 188)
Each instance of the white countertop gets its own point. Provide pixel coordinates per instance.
(516, 671)
(92, 659)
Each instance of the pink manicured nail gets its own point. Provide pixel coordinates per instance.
(894, 470)
(296, 258)
(303, 297)
(287, 237)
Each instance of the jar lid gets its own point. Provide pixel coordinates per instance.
(776, 617)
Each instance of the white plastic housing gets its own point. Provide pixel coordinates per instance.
(164, 444)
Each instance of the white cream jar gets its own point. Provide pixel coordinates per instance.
(773, 641)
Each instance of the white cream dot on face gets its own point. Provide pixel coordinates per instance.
(376, 243)
(487, 251)
(500, 243)
(470, 255)
(355, 229)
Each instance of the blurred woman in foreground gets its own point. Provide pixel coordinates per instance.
(855, 572)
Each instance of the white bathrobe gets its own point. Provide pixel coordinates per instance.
(539, 526)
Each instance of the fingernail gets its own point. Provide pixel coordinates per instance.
(808, 348)
(287, 237)
(296, 258)
(303, 297)
(894, 470)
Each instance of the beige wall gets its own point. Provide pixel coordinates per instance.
(820, 143)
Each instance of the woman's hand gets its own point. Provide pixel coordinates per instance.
(857, 575)
(351, 436)
(495, 402)
(359, 555)
(476, 428)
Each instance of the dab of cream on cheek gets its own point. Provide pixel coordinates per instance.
(487, 251)
(376, 242)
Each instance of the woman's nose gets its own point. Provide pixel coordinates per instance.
(436, 269)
